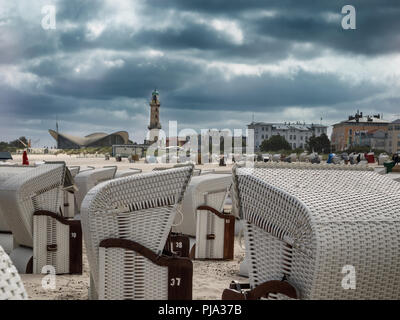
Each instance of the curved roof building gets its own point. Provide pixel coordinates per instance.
(99, 139)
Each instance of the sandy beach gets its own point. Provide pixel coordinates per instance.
(99, 161)
(210, 278)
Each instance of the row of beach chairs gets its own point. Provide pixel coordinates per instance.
(53, 238)
(305, 225)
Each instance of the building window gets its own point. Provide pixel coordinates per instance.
(262, 128)
(290, 138)
(301, 138)
(294, 137)
(266, 136)
(294, 145)
(262, 137)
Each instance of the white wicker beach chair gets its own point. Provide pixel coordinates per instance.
(30, 201)
(11, 286)
(126, 223)
(383, 157)
(209, 225)
(207, 190)
(6, 172)
(127, 173)
(303, 157)
(293, 157)
(6, 238)
(87, 179)
(69, 207)
(314, 158)
(207, 171)
(196, 172)
(276, 157)
(307, 225)
(74, 170)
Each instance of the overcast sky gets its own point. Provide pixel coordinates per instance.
(215, 63)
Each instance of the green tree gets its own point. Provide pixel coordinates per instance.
(319, 144)
(4, 146)
(17, 143)
(275, 143)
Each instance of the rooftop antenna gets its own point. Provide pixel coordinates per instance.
(252, 119)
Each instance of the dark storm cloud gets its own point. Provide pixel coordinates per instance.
(207, 89)
(133, 79)
(306, 21)
(23, 104)
(49, 83)
(79, 11)
(269, 92)
(265, 38)
(224, 7)
(376, 33)
(206, 42)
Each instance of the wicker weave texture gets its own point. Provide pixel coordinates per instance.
(5, 173)
(208, 223)
(28, 190)
(11, 286)
(57, 234)
(140, 278)
(140, 208)
(209, 190)
(308, 222)
(86, 180)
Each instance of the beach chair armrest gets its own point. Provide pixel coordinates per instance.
(238, 291)
(180, 245)
(180, 269)
(221, 238)
(217, 213)
(65, 242)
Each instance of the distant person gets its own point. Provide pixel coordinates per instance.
(25, 160)
(396, 158)
(351, 158)
(359, 158)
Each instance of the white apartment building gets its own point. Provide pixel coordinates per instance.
(295, 133)
(393, 137)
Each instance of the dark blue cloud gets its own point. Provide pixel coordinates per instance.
(183, 31)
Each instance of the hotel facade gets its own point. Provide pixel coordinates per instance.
(350, 132)
(295, 133)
